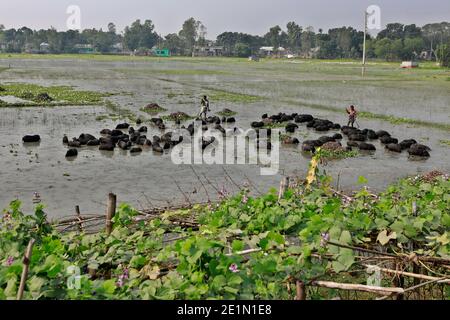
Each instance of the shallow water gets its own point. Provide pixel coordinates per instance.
(149, 179)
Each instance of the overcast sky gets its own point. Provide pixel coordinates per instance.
(250, 16)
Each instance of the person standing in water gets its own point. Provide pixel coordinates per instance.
(352, 114)
(204, 105)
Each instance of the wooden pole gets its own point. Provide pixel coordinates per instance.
(416, 268)
(110, 212)
(301, 291)
(364, 45)
(80, 220)
(26, 265)
(284, 185)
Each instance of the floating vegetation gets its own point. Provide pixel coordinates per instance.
(336, 153)
(227, 113)
(274, 125)
(153, 108)
(445, 142)
(50, 96)
(177, 116)
(101, 117)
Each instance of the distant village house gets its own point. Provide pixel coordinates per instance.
(207, 51)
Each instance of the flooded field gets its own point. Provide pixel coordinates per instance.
(248, 88)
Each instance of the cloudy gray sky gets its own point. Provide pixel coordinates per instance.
(251, 16)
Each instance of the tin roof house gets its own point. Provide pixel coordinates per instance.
(44, 47)
(270, 51)
(207, 51)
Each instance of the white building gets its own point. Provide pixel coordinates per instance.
(269, 51)
(44, 47)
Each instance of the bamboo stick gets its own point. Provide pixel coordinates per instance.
(359, 287)
(410, 274)
(284, 185)
(80, 220)
(26, 265)
(110, 212)
(362, 249)
(301, 291)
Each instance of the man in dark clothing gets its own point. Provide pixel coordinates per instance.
(352, 114)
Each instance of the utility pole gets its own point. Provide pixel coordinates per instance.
(364, 44)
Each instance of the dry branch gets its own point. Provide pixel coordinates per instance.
(359, 287)
(26, 265)
(410, 274)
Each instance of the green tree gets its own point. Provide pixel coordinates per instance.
(140, 35)
(443, 54)
(228, 40)
(328, 48)
(435, 34)
(242, 50)
(174, 43)
(412, 47)
(392, 31)
(397, 50)
(112, 28)
(190, 33)
(412, 31)
(383, 48)
(307, 40)
(294, 34)
(273, 37)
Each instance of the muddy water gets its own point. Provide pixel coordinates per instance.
(149, 179)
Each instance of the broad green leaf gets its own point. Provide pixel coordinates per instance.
(345, 238)
(138, 261)
(231, 290)
(234, 280)
(237, 245)
(11, 288)
(443, 239)
(109, 286)
(35, 283)
(219, 281)
(383, 237)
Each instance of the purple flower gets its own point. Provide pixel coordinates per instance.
(126, 273)
(124, 276)
(244, 198)
(223, 194)
(9, 261)
(325, 239)
(234, 268)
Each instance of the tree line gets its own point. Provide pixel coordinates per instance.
(396, 42)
